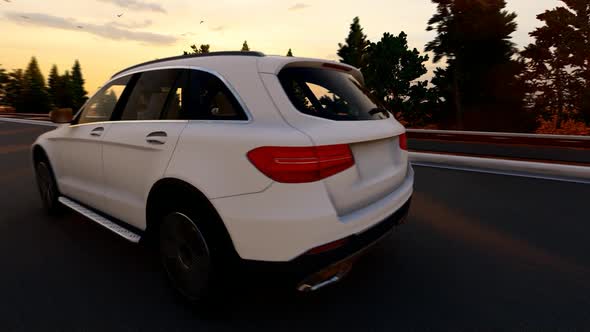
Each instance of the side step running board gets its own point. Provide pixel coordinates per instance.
(101, 220)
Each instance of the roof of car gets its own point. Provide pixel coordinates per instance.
(191, 56)
(228, 59)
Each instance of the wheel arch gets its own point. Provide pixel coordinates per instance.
(169, 191)
(38, 152)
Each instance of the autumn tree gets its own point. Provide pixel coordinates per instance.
(558, 63)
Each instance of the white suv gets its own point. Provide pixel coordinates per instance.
(233, 154)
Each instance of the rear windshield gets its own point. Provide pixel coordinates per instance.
(330, 94)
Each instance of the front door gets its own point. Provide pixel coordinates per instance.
(139, 145)
(81, 147)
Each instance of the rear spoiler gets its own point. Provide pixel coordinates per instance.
(276, 64)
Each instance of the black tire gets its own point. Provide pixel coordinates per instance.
(47, 187)
(187, 257)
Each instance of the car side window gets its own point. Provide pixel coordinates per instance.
(101, 106)
(150, 94)
(214, 99)
(178, 104)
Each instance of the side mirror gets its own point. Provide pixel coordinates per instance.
(62, 115)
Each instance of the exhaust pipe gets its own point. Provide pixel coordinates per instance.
(307, 288)
(325, 277)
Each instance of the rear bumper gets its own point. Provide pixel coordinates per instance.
(305, 268)
(285, 221)
(356, 243)
(355, 246)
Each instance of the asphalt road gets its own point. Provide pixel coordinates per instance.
(479, 252)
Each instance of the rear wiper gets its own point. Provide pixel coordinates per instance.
(379, 110)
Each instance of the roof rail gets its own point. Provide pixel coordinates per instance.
(222, 53)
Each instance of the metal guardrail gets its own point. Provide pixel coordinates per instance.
(501, 138)
(497, 134)
(503, 165)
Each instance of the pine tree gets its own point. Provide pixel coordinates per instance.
(112, 98)
(35, 97)
(3, 75)
(245, 47)
(355, 48)
(481, 78)
(390, 74)
(14, 89)
(3, 82)
(204, 48)
(290, 53)
(53, 85)
(76, 87)
(66, 91)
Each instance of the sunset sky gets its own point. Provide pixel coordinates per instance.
(59, 31)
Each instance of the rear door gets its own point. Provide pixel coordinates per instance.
(332, 107)
(140, 143)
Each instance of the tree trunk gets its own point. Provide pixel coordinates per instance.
(457, 99)
(559, 86)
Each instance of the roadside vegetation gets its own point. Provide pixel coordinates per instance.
(482, 81)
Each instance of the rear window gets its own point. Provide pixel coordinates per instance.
(330, 94)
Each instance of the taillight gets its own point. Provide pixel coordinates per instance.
(301, 164)
(403, 142)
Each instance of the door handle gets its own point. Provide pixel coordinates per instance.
(96, 132)
(157, 138)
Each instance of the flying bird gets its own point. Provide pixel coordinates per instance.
(119, 15)
(25, 17)
(202, 22)
(7, 1)
(80, 27)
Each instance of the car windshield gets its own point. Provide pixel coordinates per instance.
(330, 94)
